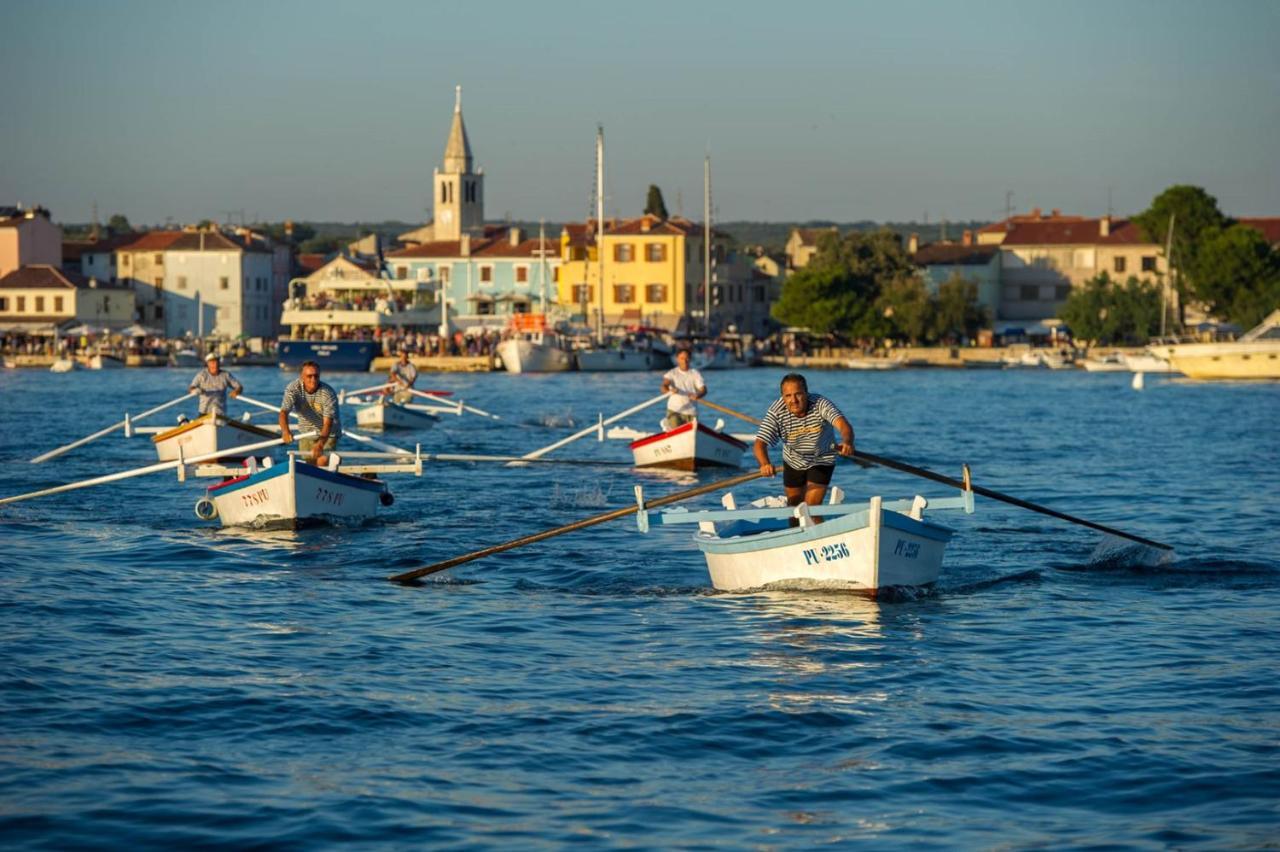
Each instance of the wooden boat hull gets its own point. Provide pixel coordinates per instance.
(864, 552)
(295, 494)
(526, 356)
(390, 415)
(207, 434)
(688, 447)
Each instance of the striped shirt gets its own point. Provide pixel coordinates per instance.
(683, 384)
(406, 374)
(807, 441)
(213, 390)
(312, 408)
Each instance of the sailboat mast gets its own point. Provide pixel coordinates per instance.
(706, 245)
(542, 252)
(600, 230)
(1168, 274)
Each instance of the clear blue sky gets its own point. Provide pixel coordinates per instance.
(839, 110)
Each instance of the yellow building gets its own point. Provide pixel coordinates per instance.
(652, 272)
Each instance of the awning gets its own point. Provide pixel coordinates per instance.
(480, 297)
(40, 328)
(518, 298)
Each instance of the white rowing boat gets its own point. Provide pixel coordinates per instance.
(688, 447)
(293, 494)
(206, 434)
(865, 548)
(385, 414)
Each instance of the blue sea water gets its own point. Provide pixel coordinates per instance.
(165, 683)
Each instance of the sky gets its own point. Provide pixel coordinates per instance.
(339, 111)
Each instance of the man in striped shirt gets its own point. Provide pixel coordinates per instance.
(806, 424)
(212, 384)
(401, 378)
(316, 405)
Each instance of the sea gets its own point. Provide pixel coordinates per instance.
(169, 684)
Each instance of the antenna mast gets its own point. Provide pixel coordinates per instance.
(600, 229)
(706, 245)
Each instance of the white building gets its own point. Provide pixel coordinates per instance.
(216, 285)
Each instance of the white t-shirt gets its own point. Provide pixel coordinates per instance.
(684, 383)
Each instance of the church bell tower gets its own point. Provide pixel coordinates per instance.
(459, 191)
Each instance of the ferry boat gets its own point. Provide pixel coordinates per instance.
(333, 314)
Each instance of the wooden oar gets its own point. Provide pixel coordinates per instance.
(893, 464)
(107, 431)
(154, 468)
(594, 427)
(409, 576)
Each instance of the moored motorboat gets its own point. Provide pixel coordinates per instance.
(185, 358)
(1112, 363)
(873, 363)
(1254, 355)
(64, 365)
(386, 414)
(208, 433)
(533, 347)
(689, 446)
(99, 361)
(292, 494)
(864, 548)
(1147, 362)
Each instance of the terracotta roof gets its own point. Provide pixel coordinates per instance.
(1074, 231)
(439, 248)
(12, 217)
(213, 241)
(1269, 226)
(953, 254)
(1033, 216)
(42, 276)
(526, 248)
(311, 262)
(152, 241)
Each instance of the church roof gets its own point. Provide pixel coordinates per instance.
(457, 151)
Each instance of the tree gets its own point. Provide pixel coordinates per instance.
(119, 224)
(819, 299)
(956, 312)
(905, 303)
(1238, 275)
(1108, 312)
(654, 205)
(1195, 212)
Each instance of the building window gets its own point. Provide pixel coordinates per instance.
(158, 260)
(655, 293)
(581, 293)
(1149, 263)
(759, 293)
(39, 304)
(1061, 292)
(1028, 292)
(486, 274)
(159, 283)
(4, 303)
(402, 272)
(444, 274)
(522, 275)
(57, 304)
(622, 253)
(1118, 264)
(224, 283)
(124, 261)
(182, 282)
(159, 311)
(555, 275)
(624, 294)
(22, 304)
(655, 252)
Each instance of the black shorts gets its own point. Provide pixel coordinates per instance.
(816, 475)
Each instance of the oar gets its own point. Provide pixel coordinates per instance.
(462, 457)
(139, 471)
(393, 385)
(594, 427)
(459, 404)
(60, 450)
(409, 576)
(977, 489)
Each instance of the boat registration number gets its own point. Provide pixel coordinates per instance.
(324, 495)
(827, 553)
(254, 498)
(907, 549)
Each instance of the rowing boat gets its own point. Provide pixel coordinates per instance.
(689, 446)
(292, 494)
(385, 414)
(865, 548)
(206, 434)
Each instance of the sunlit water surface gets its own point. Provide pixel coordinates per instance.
(166, 683)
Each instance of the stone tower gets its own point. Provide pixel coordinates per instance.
(459, 191)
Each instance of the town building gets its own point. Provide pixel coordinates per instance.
(28, 237)
(938, 263)
(140, 264)
(43, 299)
(802, 245)
(218, 285)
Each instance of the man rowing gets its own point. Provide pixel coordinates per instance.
(806, 424)
(316, 405)
(684, 385)
(401, 378)
(212, 384)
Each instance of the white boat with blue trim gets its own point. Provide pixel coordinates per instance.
(864, 548)
(386, 414)
(293, 494)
